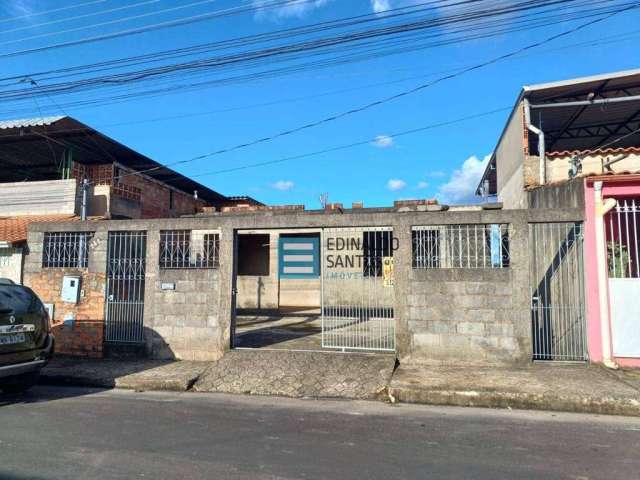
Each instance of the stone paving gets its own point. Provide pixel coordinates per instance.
(298, 374)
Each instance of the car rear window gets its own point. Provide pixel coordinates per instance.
(16, 298)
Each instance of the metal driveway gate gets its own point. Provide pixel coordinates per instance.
(357, 288)
(126, 253)
(557, 292)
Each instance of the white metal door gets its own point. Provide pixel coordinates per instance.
(623, 258)
(358, 288)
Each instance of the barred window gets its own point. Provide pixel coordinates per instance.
(461, 246)
(66, 249)
(189, 249)
(376, 244)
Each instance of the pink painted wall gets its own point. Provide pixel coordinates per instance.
(617, 190)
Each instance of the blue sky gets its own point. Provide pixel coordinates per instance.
(442, 162)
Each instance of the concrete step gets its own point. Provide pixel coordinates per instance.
(577, 388)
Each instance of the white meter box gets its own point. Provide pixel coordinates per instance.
(70, 288)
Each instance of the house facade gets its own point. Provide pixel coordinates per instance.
(576, 143)
(427, 283)
(46, 164)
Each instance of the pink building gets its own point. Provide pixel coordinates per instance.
(612, 267)
(576, 144)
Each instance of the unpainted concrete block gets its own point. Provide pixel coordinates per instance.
(470, 328)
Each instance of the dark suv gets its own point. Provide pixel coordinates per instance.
(26, 342)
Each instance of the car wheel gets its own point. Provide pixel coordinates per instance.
(19, 383)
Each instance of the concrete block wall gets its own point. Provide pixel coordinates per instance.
(183, 323)
(461, 316)
(472, 316)
(464, 317)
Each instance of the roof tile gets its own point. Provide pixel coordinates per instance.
(14, 229)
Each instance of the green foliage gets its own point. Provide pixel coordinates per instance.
(618, 260)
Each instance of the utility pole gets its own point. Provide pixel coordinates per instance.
(83, 206)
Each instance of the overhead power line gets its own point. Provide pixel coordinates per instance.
(623, 36)
(388, 99)
(48, 12)
(153, 27)
(110, 22)
(78, 17)
(368, 141)
(355, 41)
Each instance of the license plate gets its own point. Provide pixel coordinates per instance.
(12, 339)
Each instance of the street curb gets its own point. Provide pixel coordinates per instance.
(129, 384)
(524, 401)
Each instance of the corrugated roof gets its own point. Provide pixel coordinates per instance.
(14, 229)
(578, 80)
(29, 122)
(580, 128)
(32, 153)
(597, 151)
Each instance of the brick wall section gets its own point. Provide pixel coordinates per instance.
(153, 197)
(85, 335)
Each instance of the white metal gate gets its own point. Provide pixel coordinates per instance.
(357, 288)
(126, 252)
(557, 292)
(622, 227)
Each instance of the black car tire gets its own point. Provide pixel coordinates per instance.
(19, 383)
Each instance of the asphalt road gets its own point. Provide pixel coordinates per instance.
(71, 433)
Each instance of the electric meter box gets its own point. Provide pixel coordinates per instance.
(70, 289)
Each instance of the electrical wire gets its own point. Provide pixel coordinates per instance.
(217, 62)
(48, 12)
(78, 17)
(388, 99)
(153, 27)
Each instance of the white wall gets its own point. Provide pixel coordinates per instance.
(51, 197)
(510, 159)
(11, 264)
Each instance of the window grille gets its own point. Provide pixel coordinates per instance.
(375, 246)
(622, 226)
(461, 246)
(189, 249)
(66, 249)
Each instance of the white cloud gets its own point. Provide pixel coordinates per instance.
(461, 187)
(382, 141)
(396, 184)
(422, 185)
(283, 185)
(436, 174)
(287, 9)
(21, 7)
(380, 5)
